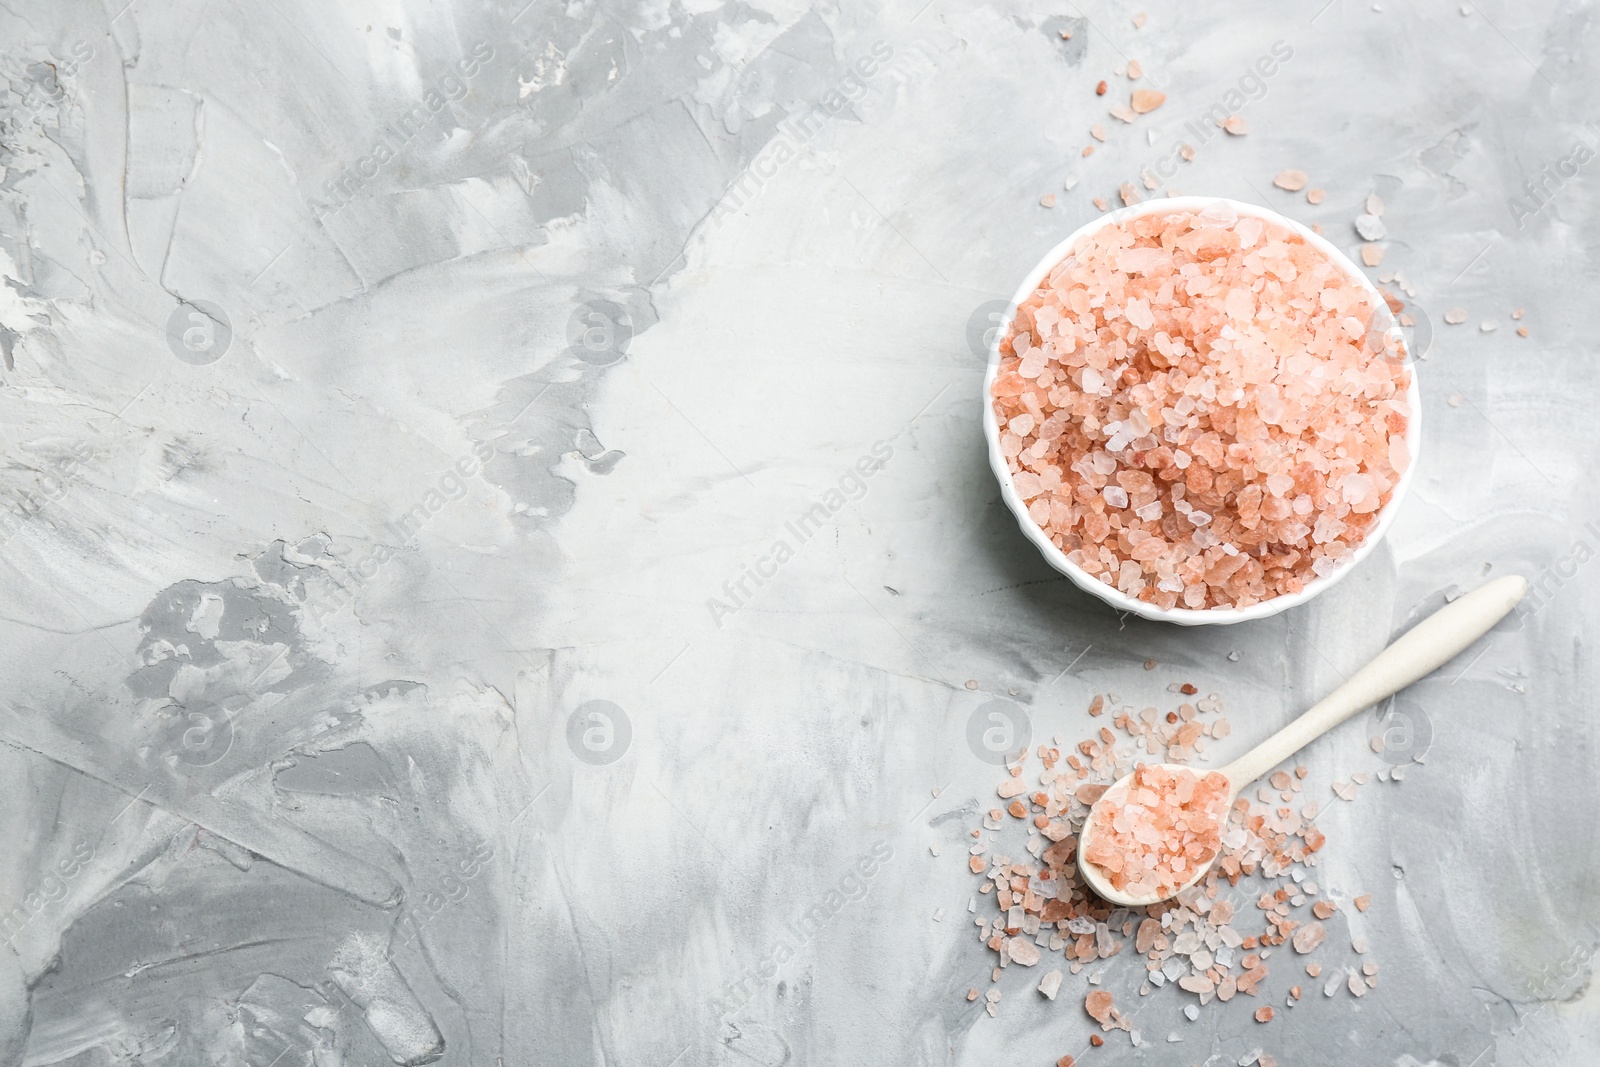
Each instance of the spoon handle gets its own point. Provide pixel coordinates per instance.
(1417, 653)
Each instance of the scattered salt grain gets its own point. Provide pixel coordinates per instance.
(1371, 227)
(1050, 984)
(1023, 952)
(1194, 941)
(1236, 125)
(1099, 1006)
(1291, 180)
(1371, 255)
(1456, 316)
(1315, 196)
(1147, 100)
(1309, 937)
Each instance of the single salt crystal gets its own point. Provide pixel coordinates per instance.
(1115, 496)
(1355, 488)
(1217, 215)
(1138, 313)
(1371, 227)
(1191, 1012)
(1050, 984)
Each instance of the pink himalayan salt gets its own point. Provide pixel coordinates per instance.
(1155, 832)
(1231, 387)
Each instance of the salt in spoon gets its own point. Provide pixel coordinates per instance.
(1424, 648)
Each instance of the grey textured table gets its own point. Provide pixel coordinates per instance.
(497, 531)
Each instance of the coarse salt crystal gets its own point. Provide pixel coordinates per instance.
(1291, 180)
(1371, 227)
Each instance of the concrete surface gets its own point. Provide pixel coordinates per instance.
(447, 614)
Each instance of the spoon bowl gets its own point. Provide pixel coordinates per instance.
(1097, 879)
(1416, 654)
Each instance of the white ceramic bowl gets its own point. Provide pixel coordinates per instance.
(1058, 559)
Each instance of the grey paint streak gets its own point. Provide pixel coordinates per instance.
(381, 846)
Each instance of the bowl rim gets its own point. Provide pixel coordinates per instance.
(1083, 579)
